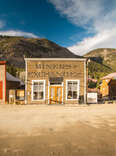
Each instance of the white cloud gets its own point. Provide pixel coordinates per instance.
(79, 12)
(2, 24)
(17, 33)
(105, 39)
(96, 16)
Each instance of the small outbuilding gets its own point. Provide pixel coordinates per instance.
(12, 83)
(108, 86)
(7, 82)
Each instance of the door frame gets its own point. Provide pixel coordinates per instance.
(62, 84)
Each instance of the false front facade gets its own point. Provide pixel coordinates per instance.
(55, 80)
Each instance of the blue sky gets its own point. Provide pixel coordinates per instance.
(79, 25)
(40, 18)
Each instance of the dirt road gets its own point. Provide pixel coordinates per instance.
(58, 130)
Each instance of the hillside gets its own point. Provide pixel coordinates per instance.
(14, 49)
(103, 62)
(105, 56)
(98, 70)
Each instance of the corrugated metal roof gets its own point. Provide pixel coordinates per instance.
(110, 76)
(10, 77)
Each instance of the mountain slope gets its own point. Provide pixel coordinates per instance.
(14, 49)
(105, 56)
(97, 70)
(103, 62)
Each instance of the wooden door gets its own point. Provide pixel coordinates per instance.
(1, 90)
(55, 94)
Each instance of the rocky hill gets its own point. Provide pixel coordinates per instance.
(14, 49)
(102, 62)
(105, 56)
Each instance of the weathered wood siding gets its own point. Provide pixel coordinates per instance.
(11, 85)
(104, 88)
(43, 69)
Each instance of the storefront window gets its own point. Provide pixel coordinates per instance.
(72, 89)
(38, 90)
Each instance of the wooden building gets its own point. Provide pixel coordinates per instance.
(55, 80)
(12, 83)
(108, 86)
(2, 81)
(7, 82)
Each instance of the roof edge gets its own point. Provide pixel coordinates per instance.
(52, 59)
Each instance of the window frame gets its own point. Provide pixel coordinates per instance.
(32, 98)
(78, 86)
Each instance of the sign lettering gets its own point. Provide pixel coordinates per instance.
(53, 74)
(54, 66)
(55, 70)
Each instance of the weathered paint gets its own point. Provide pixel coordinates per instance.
(43, 69)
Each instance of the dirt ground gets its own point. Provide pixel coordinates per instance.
(58, 130)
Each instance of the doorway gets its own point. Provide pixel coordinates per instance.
(55, 91)
(55, 94)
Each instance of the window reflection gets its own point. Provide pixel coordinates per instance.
(38, 90)
(72, 90)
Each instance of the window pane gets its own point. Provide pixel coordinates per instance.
(36, 83)
(40, 83)
(38, 95)
(74, 94)
(74, 86)
(38, 87)
(52, 92)
(70, 95)
(72, 90)
(69, 86)
(38, 90)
